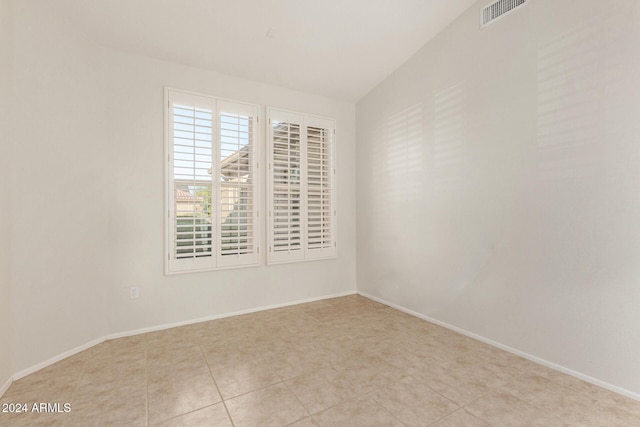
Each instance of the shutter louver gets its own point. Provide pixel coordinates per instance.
(319, 210)
(236, 173)
(191, 135)
(286, 183)
(237, 192)
(301, 187)
(212, 221)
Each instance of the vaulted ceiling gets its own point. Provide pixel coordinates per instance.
(336, 48)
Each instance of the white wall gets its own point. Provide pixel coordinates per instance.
(137, 219)
(87, 191)
(499, 184)
(59, 190)
(6, 368)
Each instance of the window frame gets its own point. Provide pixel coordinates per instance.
(216, 261)
(305, 121)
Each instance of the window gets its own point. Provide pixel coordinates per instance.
(212, 200)
(301, 187)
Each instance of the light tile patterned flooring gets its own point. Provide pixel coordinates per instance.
(341, 362)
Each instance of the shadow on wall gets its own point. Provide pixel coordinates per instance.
(396, 175)
(586, 144)
(449, 149)
(579, 98)
(419, 154)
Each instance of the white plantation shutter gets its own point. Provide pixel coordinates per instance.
(320, 212)
(211, 201)
(301, 187)
(191, 151)
(286, 187)
(237, 192)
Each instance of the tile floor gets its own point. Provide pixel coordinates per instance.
(342, 362)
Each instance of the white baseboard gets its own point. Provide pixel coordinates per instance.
(224, 315)
(6, 386)
(54, 359)
(85, 346)
(527, 356)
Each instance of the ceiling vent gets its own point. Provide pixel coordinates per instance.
(496, 10)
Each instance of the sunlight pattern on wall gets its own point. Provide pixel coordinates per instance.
(403, 157)
(397, 172)
(579, 96)
(448, 151)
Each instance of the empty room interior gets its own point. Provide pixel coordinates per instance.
(320, 213)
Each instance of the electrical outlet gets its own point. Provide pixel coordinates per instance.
(134, 292)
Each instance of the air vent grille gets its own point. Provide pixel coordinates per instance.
(498, 9)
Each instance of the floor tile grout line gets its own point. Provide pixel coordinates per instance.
(75, 389)
(356, 395)
(146, 381)
(222, 400)
(436, 391)
(461, 408)
(251, 391)
(582, 393)
(186, 413)
(280, 380)
(375, 402)
(522, 399)
(488, 393)
(350, 399)
(297, 398)
(362, 333)
(444, 416)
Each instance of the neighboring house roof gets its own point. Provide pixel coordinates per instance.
(185, 196)
(238, 161)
